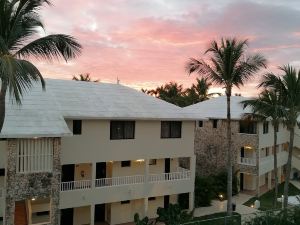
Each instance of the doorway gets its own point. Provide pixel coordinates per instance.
(241, 181)
(167, 165)
(166, 201)
(66, 216)
(101, 170)
(100, 213)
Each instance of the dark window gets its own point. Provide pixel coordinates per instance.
(266, 127)
(122, 130)
(77, 124)
(215, 123)
(125, 202)
(170, 129)
(2, 172)
(200, 123)
(152, 161)
(125, 163)
(247, 127)
(276, 128)
(151, 198)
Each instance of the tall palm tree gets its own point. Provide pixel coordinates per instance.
(19, 23)
(289, 87)
(202, 87)
(268, 106)
(227, 66)
(84, 77)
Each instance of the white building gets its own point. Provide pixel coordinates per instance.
(252, 144)
(87, 153)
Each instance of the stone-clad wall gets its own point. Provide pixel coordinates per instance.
(210, 147)
(26, 186)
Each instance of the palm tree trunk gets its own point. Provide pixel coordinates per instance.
(275, 168)
(2, 105)
(229, 158)
(288, 167)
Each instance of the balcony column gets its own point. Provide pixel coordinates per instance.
(269, 180)
(93, 175)
(193, 168)
(92, 212)
(191, 201)
(146, 207)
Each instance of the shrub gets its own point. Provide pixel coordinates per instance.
(173, 215)
(144, 221)
(183, 200)
(203, 191)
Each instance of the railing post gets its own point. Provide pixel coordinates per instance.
(93, 179)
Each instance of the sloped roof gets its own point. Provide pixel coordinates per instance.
(42, 113)
(216, 108)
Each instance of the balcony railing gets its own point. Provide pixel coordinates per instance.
(247, 161)
(125, 180)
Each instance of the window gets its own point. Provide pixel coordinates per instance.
(122, 130)
(34, 155)
(170, 129)
(215, 123)
(247, 127)
(125, 202)
(266, 127)
(2, 172)
(152, 161)
(151, 198)
(125, 163)
(77, 124)
(200, 123)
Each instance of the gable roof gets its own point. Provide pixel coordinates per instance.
(216, 108)
(43, 113)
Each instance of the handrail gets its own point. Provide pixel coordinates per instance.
(74, 185)
(247, 161)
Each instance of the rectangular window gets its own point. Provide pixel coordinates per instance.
(215, 123)
(122, 130)
(151, 198)
(126, 163)
(200, 123)
(77, 125)
(266, 127)
(247, 127)
(125, 202)
(152, 161)
(34, 155)
(171, 129)
(2, 172)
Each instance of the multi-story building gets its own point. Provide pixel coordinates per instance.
(252, 144)
(88, 153)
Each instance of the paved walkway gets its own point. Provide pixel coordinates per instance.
(220, 206)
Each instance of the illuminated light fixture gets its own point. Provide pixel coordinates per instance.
(140, 160)
(247, 147)
(111, 161)
(35, 137)
(33, 199)
(221, 197)
(252, 206)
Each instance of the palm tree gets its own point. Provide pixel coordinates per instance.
(19, 23)
(268, 106)
(84, 77)
(228, 66)
(288, 86)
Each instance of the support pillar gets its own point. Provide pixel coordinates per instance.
(93, 175)
(146, 203)
(257, 186)
(191, 201)
(92, 212)
(269, 180)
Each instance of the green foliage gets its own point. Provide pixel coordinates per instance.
(203, 191)
(144, 221)
(173, 215)
(219, 185)
(218, 219)
(183, 200)
(84, 77)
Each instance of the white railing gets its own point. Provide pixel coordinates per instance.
(169, 176)
(75, 185)
(117, 181)
(125, 180)
(247, 161)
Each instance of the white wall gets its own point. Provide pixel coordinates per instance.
(94, 145)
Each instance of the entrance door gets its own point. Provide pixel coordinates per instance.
(66, 216)
(101, 170)
(242, 152)
(20, 213)
(167, 165)
(100, 213)
(241, 181)
(68, 172)
(166, 201)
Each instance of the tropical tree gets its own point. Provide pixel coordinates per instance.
(84, 77)
(268, 106)
(288, 85)
(19, 24)
(227, 66)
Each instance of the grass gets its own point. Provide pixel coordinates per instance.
(218, 219)
(266, 200)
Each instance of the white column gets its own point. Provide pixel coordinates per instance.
(269, 180)
(146, 207)
(92, 212)
(93, 177)
(257, 185)
(191, 201)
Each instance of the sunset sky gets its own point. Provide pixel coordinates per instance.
(146, 43)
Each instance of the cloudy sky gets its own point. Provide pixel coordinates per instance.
(146, 43)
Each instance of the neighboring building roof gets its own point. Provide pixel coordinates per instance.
(42, 113)
(216, 108)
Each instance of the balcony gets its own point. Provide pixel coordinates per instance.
(247, 161)
(115, 189)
